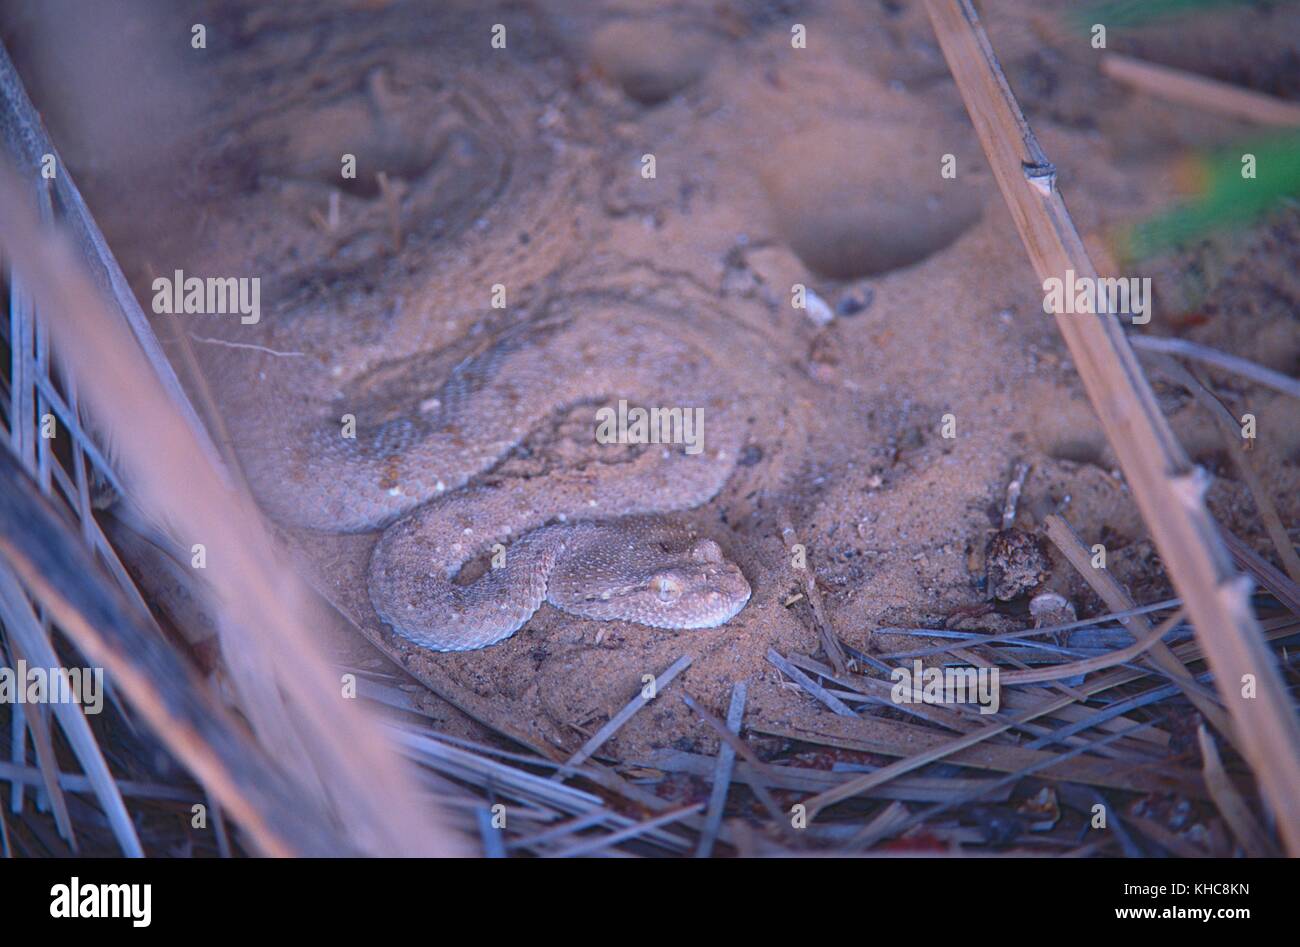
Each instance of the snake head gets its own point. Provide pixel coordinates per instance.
(665, 581)
(699, 588)
(702, 592)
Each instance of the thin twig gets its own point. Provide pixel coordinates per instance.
(1163, 481)
(623, 716)
(1076, 668)
(830, 643)
(765, 797)
(1243, 460)
(1233, 809)
(1229, 363)
(1116, 596)
(245, 345)
(1200, 92)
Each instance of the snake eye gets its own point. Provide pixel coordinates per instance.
(666, 587)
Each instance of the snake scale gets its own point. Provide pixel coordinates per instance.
(585, 538)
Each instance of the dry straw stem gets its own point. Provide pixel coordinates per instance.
(334, 755)
(603, 735)
(1117, 598)
(28, 141)
(1199, 92)
(1245, 461)
(1164, 483)
(1058, 671)
(46, 552)
(1233, 808)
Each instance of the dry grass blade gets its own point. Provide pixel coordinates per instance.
(539, 841)
(75, 782)
(969, 637)
(825, 631)
(48, 763)
(23, 129)
(883, 775)
(761, 768)
(1230, 363)
(285, 687)
(809, 780)
(809, 685)
(887, 822)
(1164, 484)
(599, 738)
(25, 629)
(1243, 460)
(1116, 597)
(594, 845)
(870, 835)
(881, 692)
(525, 788)
(722, 773)
(1075, 668)
(18, 737)
(1287, 592)
(955, 721)
(897, 739)
(1233, 808)
(47, 555)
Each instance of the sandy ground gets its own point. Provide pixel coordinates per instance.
(775, 166)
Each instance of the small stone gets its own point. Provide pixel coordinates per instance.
(1050, 609)
(1015, 563)
(817, 310)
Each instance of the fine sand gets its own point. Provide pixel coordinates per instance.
(774, 166)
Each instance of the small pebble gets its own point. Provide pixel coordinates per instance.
(1049, 609)
(1016, 563)
(817, 310)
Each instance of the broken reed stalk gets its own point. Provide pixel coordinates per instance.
(1168, 490)
(47, 554)
(1199, 92)
(1116, 597)
(330, 750)
(1243, 460)
(1234, 809)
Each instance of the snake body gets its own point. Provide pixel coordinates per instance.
(583, 537)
